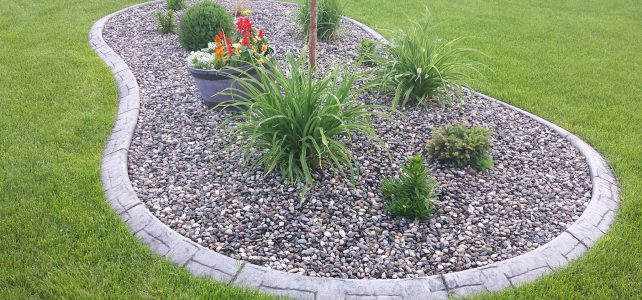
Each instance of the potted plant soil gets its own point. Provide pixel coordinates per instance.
(229, 56)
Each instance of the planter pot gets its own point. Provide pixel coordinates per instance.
(211, 82)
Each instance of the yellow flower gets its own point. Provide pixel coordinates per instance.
(246, 13)
(254, 48)
(261, 61)
(264, 48)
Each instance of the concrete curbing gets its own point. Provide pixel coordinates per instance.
(162, 240)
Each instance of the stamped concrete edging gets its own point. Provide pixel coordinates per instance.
(164, 241)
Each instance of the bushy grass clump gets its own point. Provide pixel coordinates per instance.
(419, 67)
(413, 194)
(461, 146)
(329, 14)
(201, 22)
(295, 122)
(367, 53)
(175, 4)
(165, 22)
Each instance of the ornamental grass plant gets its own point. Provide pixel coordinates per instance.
(366, 53)
(292, 121)
(329, 14)
(419, 67)
(175, 5)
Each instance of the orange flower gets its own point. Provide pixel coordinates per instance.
(218, 52)
(264, 48)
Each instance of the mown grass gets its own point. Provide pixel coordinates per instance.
(58, 236)
(576, 63)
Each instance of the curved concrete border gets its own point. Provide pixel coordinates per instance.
(591, 225)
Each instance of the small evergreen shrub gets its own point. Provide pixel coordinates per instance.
(329, 14)
(419, 67)
(366, 53)
(413, 195)
(201, 22)
(461, 146)
(165, 23)
(175, 5)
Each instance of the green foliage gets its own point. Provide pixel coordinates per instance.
(295, 122)
(413, 194)
(201, 22)
(461, 146)
(420, 67)
(175, 4)
(366, 54)
(165, 23)
(329, 14)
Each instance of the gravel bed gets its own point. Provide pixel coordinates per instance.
(540, 184)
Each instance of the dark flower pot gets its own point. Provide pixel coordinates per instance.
(211, 82)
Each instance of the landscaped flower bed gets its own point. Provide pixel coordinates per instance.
(179, 167)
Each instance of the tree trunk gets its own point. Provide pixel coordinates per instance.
(312, 39)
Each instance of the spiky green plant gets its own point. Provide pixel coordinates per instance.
(175, 5)
(413, 194)
(367, 52)
(328, 18)
(165, 23)
(419, 67)
(295, 122)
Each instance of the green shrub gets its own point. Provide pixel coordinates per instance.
(165, 23)
(296, 122)
(201, 22)
(413, 195)
(329, 14)
(461, 146)
(175, 4)
(366, 54)
(419, 67)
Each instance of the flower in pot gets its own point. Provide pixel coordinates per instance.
(230, 55)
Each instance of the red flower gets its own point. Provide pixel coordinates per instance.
(217, 39)
(246, 40)
(261, 33)
(244, 26)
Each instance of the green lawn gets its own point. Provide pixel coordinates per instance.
(58, 236)
(576, 63)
